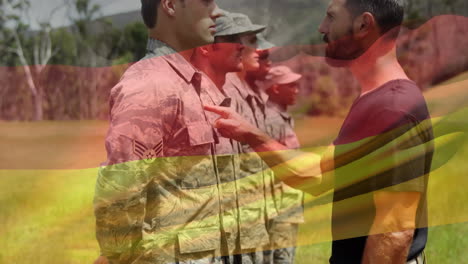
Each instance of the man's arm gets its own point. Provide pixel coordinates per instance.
(294, 167)
(134, 137)
(314, 173)
(305, 170)
(120, 200)
(392, 232)
(311, 172)
(396, 207)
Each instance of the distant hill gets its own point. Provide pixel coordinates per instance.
(121, 20)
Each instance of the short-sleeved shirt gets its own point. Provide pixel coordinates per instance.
(394, 110)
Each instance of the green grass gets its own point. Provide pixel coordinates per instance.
(52, 145)
(447, 244)
(48, 213)
(47, 216)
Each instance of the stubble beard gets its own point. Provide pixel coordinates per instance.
(342, 52)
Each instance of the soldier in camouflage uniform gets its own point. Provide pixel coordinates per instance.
(216, 61)
(250, 103)
(278, 124)
(163, 195)
(281, 85)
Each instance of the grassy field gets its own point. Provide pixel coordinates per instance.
(48, 171)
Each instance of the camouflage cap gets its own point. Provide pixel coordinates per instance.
(263, 44)
(235, 23)
(281, 75)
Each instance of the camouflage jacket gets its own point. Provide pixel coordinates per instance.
(250, 201)
(163, 196)
(251, 107)
(280, 126)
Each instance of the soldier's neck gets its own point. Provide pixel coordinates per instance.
(372, 73)
(250, 79)
(165, 35)
(219, 79)
(282, 107)
(216, 76)
(377, 65)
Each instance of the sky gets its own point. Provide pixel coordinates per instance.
(41, 10)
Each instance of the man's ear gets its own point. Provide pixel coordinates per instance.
(364, 24)
(168, 7)
(275, 89)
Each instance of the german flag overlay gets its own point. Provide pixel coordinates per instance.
(122, 159)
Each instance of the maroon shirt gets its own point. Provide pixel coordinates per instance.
(376, 118)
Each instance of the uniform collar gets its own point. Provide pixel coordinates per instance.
(244, 90)
(276, 107)
(233, 79)
(263, 95)
(157, 48)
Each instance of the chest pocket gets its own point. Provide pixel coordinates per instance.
(196, 167)
(200, 133)
(250, 161)
(277, 131)
(191, 139)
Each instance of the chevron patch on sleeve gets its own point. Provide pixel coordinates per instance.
(148, 154)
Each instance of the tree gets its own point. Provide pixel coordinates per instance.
(133, 42)
(19, 40)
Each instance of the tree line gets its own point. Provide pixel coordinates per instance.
(60, 73)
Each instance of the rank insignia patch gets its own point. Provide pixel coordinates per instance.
(148, 154)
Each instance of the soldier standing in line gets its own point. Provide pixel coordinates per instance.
(252, 106)
(282, 87)
(160, 197)
(279, 125)
(216, 60)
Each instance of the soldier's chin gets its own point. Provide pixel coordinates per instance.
(238, 67)
(235, 67)
(207, 39)
(201, 42)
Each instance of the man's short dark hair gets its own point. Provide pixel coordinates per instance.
(389, 14)
(149, 12)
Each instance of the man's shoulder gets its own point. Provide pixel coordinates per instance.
(273, 114)
(399, 95)
(155, 69)
(148, 79)
(396, 98)
(234, 87)
(233, 81)
(396, 104)
(232, 78)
